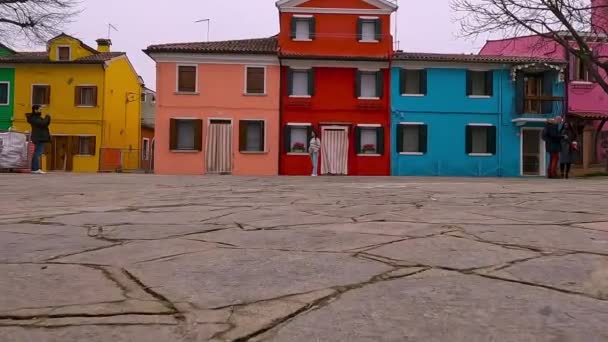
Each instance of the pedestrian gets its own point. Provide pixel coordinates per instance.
(40, 135)
(313, 149)
(553, 142)
(569, 147)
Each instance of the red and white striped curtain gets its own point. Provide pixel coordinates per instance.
(334, 152)
(219, 148)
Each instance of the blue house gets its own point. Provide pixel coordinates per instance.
(471, 115)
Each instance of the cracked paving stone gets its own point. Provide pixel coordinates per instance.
(543, 215)
(402, 229)
(447, 306)
(276, 217)
(582, 273)
(449, 252)
(596, 225)
(436, 214)
(156, 231)
(223, 276)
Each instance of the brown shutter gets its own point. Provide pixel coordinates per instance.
(77, 96)
(94, 96)
(262, 140)
(173, 134)
(198, 134)
(255, 80)
(47, 92)
(186, 79)
(243, 135)
(92, 146)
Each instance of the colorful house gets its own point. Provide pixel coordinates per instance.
(7, 90)
(586, 101)
(217, 107)
(93, 97)
(335, 80)
(148, 116)
(469, 115)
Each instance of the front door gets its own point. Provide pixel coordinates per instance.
(533, 152)
(334, 151)
(219, 147)
(61, 153)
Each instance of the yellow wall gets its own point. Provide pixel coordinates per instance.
(77, 50)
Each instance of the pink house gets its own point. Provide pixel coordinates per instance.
(217, 107)
(587, 102)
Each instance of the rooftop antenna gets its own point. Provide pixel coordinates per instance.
(110, 28)
(208, 21)
(397, 25)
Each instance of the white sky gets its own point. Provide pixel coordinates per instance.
(424, 26)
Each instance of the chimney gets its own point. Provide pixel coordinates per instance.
(103, 45)
(599, 16)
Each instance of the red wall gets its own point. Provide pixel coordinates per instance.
(335, 101)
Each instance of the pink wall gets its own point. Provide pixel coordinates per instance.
(220, 96)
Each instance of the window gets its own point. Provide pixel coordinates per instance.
(251, 136)
(256, 81)
(370, 140)
(412, 138)
(186, 79)
(64, 53)
(86, 96)
(301, 82)
(4, 93)
(369, 29)
(580, 71)
(369, 84)
(143, 97)
(86, 146)
(481, 140)
(186, 135)
(533, 89)
(413, 82)
(153, 99)
(480, 83)
(41, 95)
(297, 138)
(303, 28)
(145, 149)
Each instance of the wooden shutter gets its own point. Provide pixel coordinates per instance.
(255, 80)
(402, 80)
(548, 81)
(289, 81)
(380, 140)
(378, 25)
(423, 82)
(92, 146)
(173, 134)
(489, 83)
(47, 92)
(311, 81)
(469, 82)
(399, 142)
(572, 66)
(186, 79)
(262, 136)
(380, 84)
(359, 29)
(519, 93)
(77, 96)
(492, 140)
(594, 67)
(243, 135)
(94, 89)
(358, 140)
(357, 84)
(287, 138)
(294, 25)
(468, 140)
(312, 28)
(423, 138)
(198, 134)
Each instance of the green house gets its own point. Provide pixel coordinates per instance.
(7, 90)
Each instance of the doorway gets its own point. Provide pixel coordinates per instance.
(60, 153)
(334, 150)
(219, 147)
(533, 161)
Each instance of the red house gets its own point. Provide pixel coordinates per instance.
(335, 80)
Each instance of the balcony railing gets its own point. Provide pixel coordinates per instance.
(540, 105)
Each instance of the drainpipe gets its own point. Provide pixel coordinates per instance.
(281, 132)
(500, 123)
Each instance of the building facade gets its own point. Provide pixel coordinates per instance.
(7, 90)
(217, 107)
(468, 115)
(92, 96)
(335, 81)
(148, 117)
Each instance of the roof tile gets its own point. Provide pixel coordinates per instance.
(470, 58)
(244, 46)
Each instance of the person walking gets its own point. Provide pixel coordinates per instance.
(553, 138)
(313, 149)
(40, 135)
(569, 147)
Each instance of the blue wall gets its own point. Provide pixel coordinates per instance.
(446, 110)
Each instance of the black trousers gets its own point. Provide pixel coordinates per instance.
(565, 169)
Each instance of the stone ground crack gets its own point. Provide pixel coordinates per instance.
(164, 300)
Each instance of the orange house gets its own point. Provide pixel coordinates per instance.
(217, 107)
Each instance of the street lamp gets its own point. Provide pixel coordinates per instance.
(208, 25)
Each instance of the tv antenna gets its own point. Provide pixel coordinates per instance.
(208, 21)
(110, 28)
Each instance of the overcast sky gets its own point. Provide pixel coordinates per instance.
(424, 26)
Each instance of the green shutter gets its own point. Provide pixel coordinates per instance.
(423, 138)
(308, 137)
(468, 140)
(399, 142)
(380, 140)
(357, 84)
(469, 83)
(423, 82)
(359, 29)
(492, 140)
(312, 27)
(294, 24)
(402, 76)
(380, 84)
(289, 81)
(358, 140)
(519, 92)
(378, 24)
(311, 81)
(262, 135)
(548, 80)
(287, 138)
(490, 83)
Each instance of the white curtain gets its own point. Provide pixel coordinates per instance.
(334, 152)
(219, 148)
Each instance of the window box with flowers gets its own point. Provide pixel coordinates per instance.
(298, 148)
(369, 149)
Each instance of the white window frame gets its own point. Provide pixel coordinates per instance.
(372, 41)
(69, 55)
(407, 123)
(542, 151)
(415, 69)
(369, 126)
(147, 151)
(265, 151)
(481, 125)
(8, 93)
(303, 17)
(195, 79)
(307, 81)
(298, 124)
(265, 80)
(32, 94)
(97, 95)
(480, 96)
(85, 136)
(368, 71)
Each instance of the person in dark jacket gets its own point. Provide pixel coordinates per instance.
(567, 154)
(40, 135)
(553, 141)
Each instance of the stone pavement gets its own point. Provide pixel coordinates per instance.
(149, 258)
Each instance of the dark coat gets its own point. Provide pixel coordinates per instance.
(568, 154)
(552, 137)
(40, 127)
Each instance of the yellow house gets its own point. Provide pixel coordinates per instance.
(93, 97)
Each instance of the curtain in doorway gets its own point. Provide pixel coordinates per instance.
(334, 152)
(219, 148)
